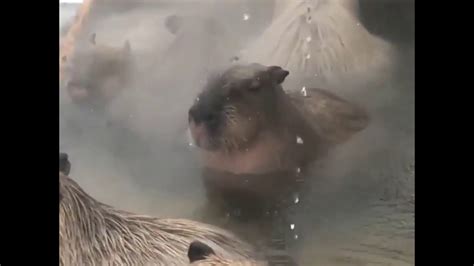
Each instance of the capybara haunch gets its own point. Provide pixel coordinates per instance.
(95, 74)
(200, 254)
(93, 233)
(255, 138)
(322, 42)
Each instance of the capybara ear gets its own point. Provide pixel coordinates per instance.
(199, 251)
(173, 23)
(92, 38)
(278, 74)
(64, 164)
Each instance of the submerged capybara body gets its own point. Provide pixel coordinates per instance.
(256, 140)
(92, 233)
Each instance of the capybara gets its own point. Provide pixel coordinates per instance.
(323, 43)
(93, 233)
(95, 74)
(256, 139)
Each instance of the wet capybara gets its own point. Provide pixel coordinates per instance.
(93, 233)
(255, 139)
(95, 74)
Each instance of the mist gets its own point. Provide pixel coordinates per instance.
(137, 156)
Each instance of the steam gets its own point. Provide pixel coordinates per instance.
(138, 156)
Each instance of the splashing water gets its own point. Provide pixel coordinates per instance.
(292, 226)
(303, 91)
(246, 17)
(297, 199)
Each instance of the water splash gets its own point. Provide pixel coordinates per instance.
(292, 226)
(299, 140)
(246, 17)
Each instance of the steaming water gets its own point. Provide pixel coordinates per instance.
(361, 208)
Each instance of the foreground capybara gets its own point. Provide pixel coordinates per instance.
(200, 254)
(255, 138)
(95, 74)
(93, 233)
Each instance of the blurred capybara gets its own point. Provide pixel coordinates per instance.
(95, 74)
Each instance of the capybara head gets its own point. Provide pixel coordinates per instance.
(97, 73)
(64, 169)
(236, 105)
(64, 164)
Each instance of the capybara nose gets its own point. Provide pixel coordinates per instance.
(192, 115)
(202, 116)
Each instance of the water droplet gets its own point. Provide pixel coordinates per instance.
(299, 140)
(308, 39)
(298, 170)
(190, 144)
(197, 99)
(296, 236)
(292, 226)
(246, 16)
(297, 199)
(308, 56)
(303, 91)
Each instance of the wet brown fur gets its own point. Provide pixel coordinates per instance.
(93, 233)
(269, 125)
(255, 160)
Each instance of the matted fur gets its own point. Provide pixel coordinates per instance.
(323, 40)
(93, 233)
